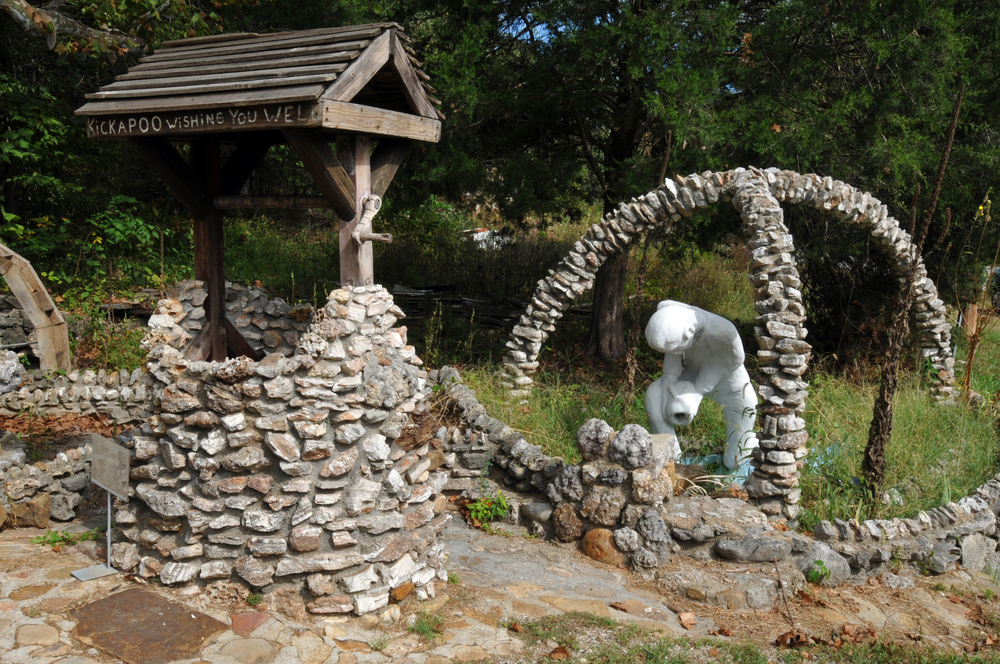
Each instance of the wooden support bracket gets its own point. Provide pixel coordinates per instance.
(324, 167)
(50, 326)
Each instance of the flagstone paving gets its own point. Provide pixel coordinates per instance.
(48, 617)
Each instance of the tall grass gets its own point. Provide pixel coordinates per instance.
(937, 453)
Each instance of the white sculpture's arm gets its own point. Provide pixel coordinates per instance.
(654, 402)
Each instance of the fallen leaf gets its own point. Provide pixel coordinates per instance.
(955, 599)
(714, 652)
(989, 641)
(525, 409)
(915, 637)
(792, 639)
(687, 620)
(851, 629)
(806, 597)
(775, 127)
(559, 653)
(721, 631)
(514, 627)
(780, 526)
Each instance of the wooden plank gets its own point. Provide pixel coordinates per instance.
(234, 202)
(250, 58)
(243, 48)
(192, 77)
(262, 66)
(238, 346)
(412, 88)
(200, 348)
(355, 261)
(170, 166)
(241, 164)
(208, 39)
(370, 120)
(388, 157)
(325, 169)
(214, 121)
(361, 70)
(208, 246)
(197, 102)
(214, 87)
(346, 32)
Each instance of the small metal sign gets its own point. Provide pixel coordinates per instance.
(109, 464)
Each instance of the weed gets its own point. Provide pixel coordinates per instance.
(254, 599)
(427, 625)
(818, 573)
(58, 538)
(453, 578)
(379, 643)
(32, 611)
(938, 587)
(488, 508)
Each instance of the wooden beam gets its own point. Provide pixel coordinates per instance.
(270, 203)
(388, 156)
(171, 167)
(241, 164)
(239, 346)
(342, 116)
(50, 326)
(356, 261)
(325, 169)
(352, 81)
(209, 252)
(200, 348)
(412, 87)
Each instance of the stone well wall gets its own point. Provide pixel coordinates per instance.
(294, 470)
(121, 395)
(270, 325)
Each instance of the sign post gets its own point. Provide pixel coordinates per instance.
(109, 464)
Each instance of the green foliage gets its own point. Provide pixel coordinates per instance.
(427, 625)
(453, 579)
(818, 573)
(488, 508)
(379, 643)
(58, 538)
(255, 599)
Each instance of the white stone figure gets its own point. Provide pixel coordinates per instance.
(703, 357)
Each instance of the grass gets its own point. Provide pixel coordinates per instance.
(427, 625)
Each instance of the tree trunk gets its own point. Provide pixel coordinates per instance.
(607, 330)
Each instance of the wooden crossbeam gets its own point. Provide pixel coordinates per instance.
(322, 164)
(241, 164)
(171, 167)
(270, 202)
(388, 156)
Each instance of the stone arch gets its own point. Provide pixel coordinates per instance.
(50, 326)
(779, 328)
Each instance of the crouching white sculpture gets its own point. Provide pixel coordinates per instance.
(703, 356)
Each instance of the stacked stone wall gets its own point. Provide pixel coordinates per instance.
(779, 326)
(294, 470)
(34, 493)
(122, 395)
(270, 325)
(620, 503)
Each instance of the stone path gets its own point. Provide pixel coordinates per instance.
(503, 577)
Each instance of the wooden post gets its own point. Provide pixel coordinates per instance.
(208, 247)
(356, 264)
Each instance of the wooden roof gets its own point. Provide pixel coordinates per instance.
(362, 79)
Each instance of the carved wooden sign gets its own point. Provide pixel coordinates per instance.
(249, 118)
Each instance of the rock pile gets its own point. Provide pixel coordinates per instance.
(294, 470)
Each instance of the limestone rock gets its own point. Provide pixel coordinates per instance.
(753, 549)
(593, 438)
(626, 539)
(650, 490)
(603, 505)
(178, 573)
(11, 371)
(327, 562)
(566, 523)
(254, 571)
(565, 485)
(32, 514)
(631, 448)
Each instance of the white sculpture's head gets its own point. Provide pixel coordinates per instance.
(672, 328)
(681, 404)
